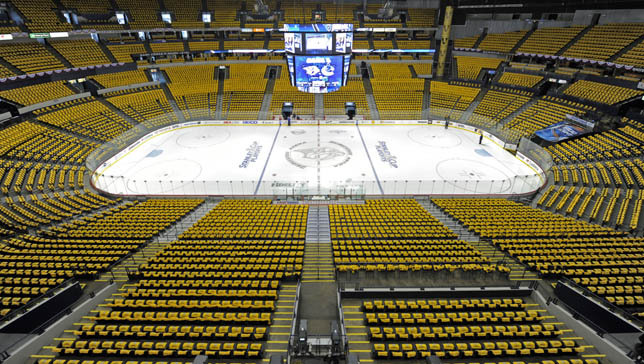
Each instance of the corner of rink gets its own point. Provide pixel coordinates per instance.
(313, 158)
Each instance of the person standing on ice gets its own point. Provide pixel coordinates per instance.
(480, 137)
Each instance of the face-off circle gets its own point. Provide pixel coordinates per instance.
(465, 174)
(157, 178)
(189, 139)
(310, 155)
(435, 137)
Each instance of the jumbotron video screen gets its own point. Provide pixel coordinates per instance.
(318, 55)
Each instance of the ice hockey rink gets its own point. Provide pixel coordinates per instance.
(348, 159)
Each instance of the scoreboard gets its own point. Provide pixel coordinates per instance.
(318, 56)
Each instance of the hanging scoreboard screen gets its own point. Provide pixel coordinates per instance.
(318, 55)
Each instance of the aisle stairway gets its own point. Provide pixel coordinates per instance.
(318, 252)
(453, 224)
(624, 50)
(467, 114)
(371, 101)
(279, 330)
(172, 102)
(319, 106)
(158, 243)
(573, 40)
(172, 233)
(317, 225)
(318, 304)
(357, 332)
(426, 99)
(518, 272)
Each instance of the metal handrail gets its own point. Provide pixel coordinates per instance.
(34, 301)
(38, 330)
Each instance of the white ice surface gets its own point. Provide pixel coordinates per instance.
(317, 160)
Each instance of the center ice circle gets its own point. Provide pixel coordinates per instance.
(313, 155)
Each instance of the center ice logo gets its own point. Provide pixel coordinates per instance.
(327, 154)
(321, 154)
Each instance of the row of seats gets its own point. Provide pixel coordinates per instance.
(397, 94)
(603, 41)
(470, 67)
(425, 268)
(91, 119)
(493, 218)
(466, 42)
(254, 219)
(32, 265)
(549, 40)
(30, 57)
(405, 251)
(556, 246)
(188, 15)
(19, 215)
(412, 318)
(601, 92)
(633, 57)
(399, 236)
(601, 168)
(244, 90)
(443, 304)
(81, 52)
(496, 105)
(621, 213)
(609, 267)
(449, 100)
(475, 350)
(75, 361)
(128, 349)
(432, 333)
(385, 219)
(156, 332)
(197, 100)
(27, 177)
(501, 42)
(499, 328)
(520, 79)
(303, 103)
(545, 112)
(150, 107)
(132, 220)
(184, 301)
(40, 17)
(354, 91)
(35, 94)
(117, 79)
(623, 142)
(599, 42)
(34, 142)
(189, 305)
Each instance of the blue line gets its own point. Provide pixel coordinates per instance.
(370, 162)
(259, 181)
